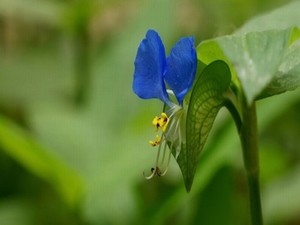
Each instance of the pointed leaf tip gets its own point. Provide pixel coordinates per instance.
(206, 100)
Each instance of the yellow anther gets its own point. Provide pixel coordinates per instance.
(161, 122)
(156, 142)
(152, 143)
(155, 122)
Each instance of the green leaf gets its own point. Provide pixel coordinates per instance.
(263, 55)
(282, 18)
(206, 100)
(288, 74)
(23, 148)
(220, 152)
(257, 59)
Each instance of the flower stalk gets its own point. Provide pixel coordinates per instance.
(248, 138)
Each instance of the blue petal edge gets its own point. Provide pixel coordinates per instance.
(181, 67)
(150, 65)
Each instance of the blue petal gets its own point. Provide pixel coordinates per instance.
(150, 64)
(181, 67)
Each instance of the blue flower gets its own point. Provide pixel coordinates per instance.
(153, 71)
(168, 79)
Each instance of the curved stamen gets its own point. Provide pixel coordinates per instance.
(153, 173)
(164, 152)
(167, 167)
(158, 152)
(170, 136)
(168, 163)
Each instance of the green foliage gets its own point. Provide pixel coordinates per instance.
(91, 157)
(206, 100)
(263, 63)
(282, 18)
(265, 58)
(32, 155)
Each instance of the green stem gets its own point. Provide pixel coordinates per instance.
(248, 137)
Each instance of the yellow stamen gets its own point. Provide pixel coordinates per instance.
(155, 123)
(152, 143)
(156, 142)
(161, 122)
(170, 141)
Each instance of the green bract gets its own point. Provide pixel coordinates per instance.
(207, 97)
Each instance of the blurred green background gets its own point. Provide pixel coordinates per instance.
(74, 138)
